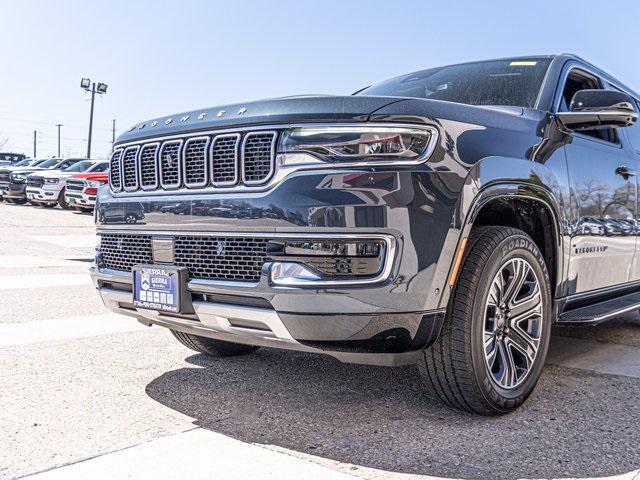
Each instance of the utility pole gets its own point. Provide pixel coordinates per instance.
(35, 137)
(58, 125)
(113, 131)
(99, 88)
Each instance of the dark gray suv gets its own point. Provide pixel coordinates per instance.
(437, 218)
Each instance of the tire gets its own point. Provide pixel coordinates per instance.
(210, 346)
(495, 377)
(19, 201)
(62, 202)
(130, 218)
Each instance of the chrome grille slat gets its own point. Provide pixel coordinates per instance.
(258, 153)
(129, 170)
(224, 159)
(170, 177)
(208, 161)
(115, 178)
(148, 166)
(212, 258)
(194, 162)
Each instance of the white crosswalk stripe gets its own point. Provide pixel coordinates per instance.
(15, 334)
(32, 261)
(70, 241)
(13, 282)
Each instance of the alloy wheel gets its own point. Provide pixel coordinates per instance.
(512, 323)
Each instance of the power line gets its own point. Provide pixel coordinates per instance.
(22, 120)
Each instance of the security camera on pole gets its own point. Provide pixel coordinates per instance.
(99, 88)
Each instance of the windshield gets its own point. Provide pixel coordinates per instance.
(47, 163)
(79, 167)
(24, 163)
(496, 82)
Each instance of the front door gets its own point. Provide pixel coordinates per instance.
(603, 199)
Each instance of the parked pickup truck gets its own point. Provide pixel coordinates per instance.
(13, 180)
(430, 219)
(8, 159)
(48, 188)
(82, 188)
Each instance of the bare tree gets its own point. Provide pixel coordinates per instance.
(4, 140)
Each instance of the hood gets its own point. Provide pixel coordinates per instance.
(310, 108)
(52, 174)
(27, 169)
(91, 176)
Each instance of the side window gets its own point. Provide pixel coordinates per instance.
(581, 81)
(101, 167)
(633, 132)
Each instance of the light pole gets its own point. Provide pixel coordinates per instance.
(99, 88)
(58, 125)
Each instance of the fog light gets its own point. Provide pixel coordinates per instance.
(285, 273)
(330, 261)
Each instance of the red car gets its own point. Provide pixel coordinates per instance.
(82, 189)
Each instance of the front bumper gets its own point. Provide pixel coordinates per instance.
(80, 199)
(45, 194)
(365, 339)
(15, 191)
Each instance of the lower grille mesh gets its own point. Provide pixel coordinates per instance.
(123, 251)
(211, 258)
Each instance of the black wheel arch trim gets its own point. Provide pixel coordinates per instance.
(520, 179)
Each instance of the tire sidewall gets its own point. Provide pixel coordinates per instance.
(515, 246)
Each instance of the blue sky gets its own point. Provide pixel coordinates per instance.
(162, 57)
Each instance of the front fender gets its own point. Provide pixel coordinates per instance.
(498, 177)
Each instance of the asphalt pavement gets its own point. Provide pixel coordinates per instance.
(85, 393)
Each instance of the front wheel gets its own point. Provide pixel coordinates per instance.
(210, 346)
(62, 201)
(491, 351)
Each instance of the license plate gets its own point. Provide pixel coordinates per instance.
(158, 287)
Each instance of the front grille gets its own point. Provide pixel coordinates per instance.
(207, 161)
(210, 258)
(123, 251)
(74, 185)
(114, 171)
(195, 162)
(222, 258)
(149, 166)
(257, 157)
(129, 177)
(224, 156)
(35, 182)
(170, 164)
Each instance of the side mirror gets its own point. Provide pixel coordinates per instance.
(595, 109)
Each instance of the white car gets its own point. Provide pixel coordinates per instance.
(48, 188)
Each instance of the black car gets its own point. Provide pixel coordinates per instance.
(5, 172)
(433, 219)
(8, 159)
(15, 191)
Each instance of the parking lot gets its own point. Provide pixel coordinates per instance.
(89, 394)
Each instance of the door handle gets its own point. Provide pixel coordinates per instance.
(624, 171)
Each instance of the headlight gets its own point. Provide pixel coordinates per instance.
(51, 180)
(18, 177)
(356, 144)
(95, 183)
